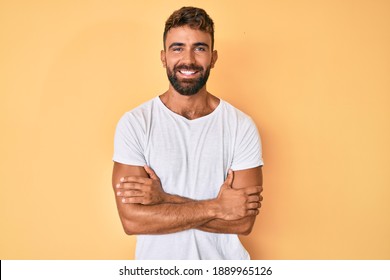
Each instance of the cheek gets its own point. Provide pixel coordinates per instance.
(205, 61)
(171, 62)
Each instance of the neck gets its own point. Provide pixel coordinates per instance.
(191, 107)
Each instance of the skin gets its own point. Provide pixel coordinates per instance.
(182, 47)
(143, 206)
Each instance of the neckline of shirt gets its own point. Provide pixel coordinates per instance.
(176, 115)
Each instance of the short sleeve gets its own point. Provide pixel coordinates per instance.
(128, 141)
(248, 149)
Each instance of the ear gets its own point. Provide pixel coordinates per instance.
(214, 58)
(163, 60)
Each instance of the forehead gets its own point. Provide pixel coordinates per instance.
(187, 35)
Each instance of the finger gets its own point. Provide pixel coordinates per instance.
(254, 198)
(151, 173)
(132, 186)
(130, 193)
(133, 179)
(224, 187)
(253, 212)
(253, 190)
(259, 189)
(254, 205)
(129, 200)
(229, 178)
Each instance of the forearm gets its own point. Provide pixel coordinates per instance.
(167, 218)
(241, 226)
(144, 208)
(176, 199)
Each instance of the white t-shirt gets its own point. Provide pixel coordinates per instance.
(192, 158)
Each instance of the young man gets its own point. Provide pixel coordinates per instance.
(175, 155)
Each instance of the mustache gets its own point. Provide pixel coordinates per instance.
(188, 67)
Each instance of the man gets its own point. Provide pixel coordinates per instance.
(175, 155)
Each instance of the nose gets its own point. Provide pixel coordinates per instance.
(188, 57)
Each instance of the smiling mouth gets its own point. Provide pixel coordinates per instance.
(187, 72)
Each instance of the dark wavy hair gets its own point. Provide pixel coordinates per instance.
(195, 18)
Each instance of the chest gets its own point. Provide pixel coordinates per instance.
(191, 159)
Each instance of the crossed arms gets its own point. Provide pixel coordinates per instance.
(144, 207)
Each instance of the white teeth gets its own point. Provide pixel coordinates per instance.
(187, 72)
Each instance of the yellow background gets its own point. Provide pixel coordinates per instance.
(314, 75)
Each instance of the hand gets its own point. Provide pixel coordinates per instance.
(136, 189)
(238, 203)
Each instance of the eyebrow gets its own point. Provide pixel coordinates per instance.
(201, 44)
(175, 44)
(197, 44)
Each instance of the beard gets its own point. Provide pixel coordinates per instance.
(188, 86)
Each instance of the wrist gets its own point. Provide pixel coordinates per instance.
(166, 198)
(214, 209)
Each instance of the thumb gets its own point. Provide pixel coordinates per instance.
(151, 173)
(229, 178)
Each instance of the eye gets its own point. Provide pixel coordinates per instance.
(177, 49)
(200, 49)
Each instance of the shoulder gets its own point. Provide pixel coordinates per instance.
(235, 115)
(143, 109)
(140, 113)
(139, 118)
